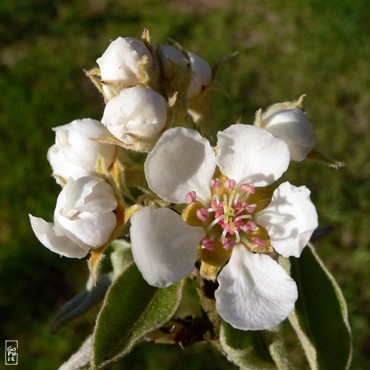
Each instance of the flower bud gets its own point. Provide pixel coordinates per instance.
(135, 114)
(76, 149)
(292, 126)
(175, 66)
(84, 218)
(120, 64)
(172, 61)
(201, 75)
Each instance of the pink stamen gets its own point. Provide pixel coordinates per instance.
(215, 183)
(250, 207)
(251, 225)
(190, 197)
(248, 188)
(230, 184)
(208, 244)
(227, 243)
(202, 214)
(258, 241)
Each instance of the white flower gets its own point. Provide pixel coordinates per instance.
(84, 218)
(120, 63)
(75, 152)
(293, 126)
(136, 113)
(201, 75)
(174, 61)
(229, 222)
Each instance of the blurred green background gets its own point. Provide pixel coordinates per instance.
(286, 48)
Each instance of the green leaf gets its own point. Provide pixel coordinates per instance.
(320, 319)
(247, 349)
(81, 358)
(276, 347)
(131, 310)
(81, 303)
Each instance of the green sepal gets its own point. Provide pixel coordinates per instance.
(319, 157)
(320, 318)
(131, 310)
(247, 349)
(81, 303)
(121, 257)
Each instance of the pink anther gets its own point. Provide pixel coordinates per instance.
(251, 225)
(250, 207)
(208, 244)
(202, 214)
(190, 197)
(227, 243)
(215, 183)
(258, 241)
(230, 184)
(248, 188)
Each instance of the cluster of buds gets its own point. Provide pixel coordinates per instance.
(158, 102)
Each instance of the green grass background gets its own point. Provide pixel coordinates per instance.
(286, 48)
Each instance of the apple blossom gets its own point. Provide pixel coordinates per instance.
(293, 126)
(76, 149)
(120, 64)
(84, 218)
(231, 221)
(172, 60)
(137, 113)
(201, 75)
(176, 64)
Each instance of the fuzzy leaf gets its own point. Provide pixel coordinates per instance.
(131, 310)
(81, 358)
(247, 349)
(320, 319)
(81, 303)
(274, 341)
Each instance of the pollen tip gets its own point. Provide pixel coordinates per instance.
(227, 243)
(208, 244)
(190, 197)
(202, 214)
(258, 241)
(248, 188)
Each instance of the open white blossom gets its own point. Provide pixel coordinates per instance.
(136, 113)
(293, 126)
(84, 218)
(120, 63)
(230, 223)
(76, 149)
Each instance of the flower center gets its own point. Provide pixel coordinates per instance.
(228, 218)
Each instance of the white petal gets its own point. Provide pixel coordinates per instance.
(46, 234)
(84, 211)
(163, 245)
(290, 219)
(181, 161)
(249, 154)
(88, 229)
(255, 292)
(121, 60)
(62, 167)
(201, 75)
(135, 111)
(294, 128)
